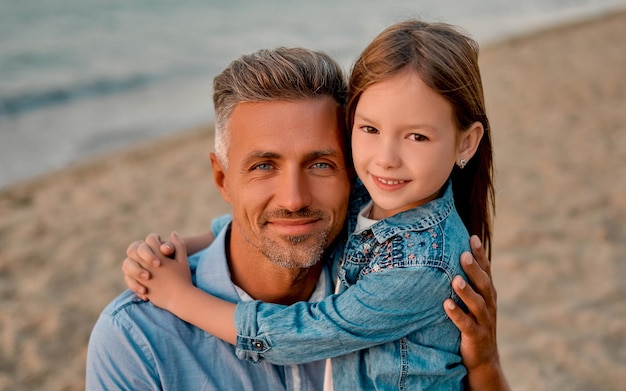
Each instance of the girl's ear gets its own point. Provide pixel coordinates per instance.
(469, 141)
(219, 177)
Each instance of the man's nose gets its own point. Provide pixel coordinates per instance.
(294, 192)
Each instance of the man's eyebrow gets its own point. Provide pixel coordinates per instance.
(330, 152)
(263, 155)
(311, 156)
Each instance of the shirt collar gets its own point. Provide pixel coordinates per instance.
(213, 276)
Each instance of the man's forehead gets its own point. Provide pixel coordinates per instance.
(291, 118)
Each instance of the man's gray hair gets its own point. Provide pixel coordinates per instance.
(268, 75)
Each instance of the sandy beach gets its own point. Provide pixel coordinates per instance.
(557, 104)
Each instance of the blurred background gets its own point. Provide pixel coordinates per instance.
(78, 78)
(106, 121)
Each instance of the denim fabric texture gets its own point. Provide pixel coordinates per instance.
(386, 328)
(137, 346)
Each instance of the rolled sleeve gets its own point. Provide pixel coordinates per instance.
(382, 307)
(250, 345)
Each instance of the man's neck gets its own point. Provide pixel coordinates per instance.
(264, 280)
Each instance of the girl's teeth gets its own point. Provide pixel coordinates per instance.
(388, 182)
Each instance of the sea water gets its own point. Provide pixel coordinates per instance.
(83, 77)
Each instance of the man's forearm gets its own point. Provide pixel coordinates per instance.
(487, 378)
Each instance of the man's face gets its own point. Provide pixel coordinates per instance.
(287, 179)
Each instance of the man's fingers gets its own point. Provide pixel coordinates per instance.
(475, 302)
(479, 254)
(461, 320)
(478, 277)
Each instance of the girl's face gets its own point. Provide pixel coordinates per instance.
(404, 143)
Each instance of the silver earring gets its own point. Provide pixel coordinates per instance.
(462, 163)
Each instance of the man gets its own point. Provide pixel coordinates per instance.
(280, 146)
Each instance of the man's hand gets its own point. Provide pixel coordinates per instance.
(479, 347)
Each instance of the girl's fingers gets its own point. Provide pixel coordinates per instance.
(134, 270)
(180, 248)
(136, 287)
(167, 249)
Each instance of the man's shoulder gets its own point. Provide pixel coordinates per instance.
(130, 313)
(128, 320)
(130, 340)
(122, 303)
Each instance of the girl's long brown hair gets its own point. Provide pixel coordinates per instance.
(447, 62)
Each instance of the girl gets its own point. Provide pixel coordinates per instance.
(422, 151)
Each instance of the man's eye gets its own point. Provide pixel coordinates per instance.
(321, 166)
(262, 167)
(417, 137)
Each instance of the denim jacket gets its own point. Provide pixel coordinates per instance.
(386, 328)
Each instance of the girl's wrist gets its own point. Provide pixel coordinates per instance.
(183, 294)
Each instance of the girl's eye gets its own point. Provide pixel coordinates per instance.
(369, 129)
(417, 137)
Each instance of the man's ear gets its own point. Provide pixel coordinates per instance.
(219, 177)
(469, 141)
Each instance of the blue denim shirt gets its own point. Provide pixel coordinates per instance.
(137, 346)
(386, 328)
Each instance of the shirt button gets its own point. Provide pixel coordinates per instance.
(258, 345)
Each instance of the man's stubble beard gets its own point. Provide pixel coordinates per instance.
(296, 252)
(303, 251)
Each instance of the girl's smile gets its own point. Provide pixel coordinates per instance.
(404, 143)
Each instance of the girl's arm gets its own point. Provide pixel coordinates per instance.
(381, 307)
(170, 287)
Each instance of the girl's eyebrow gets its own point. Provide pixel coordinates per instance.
(422, 126)
(361, 117)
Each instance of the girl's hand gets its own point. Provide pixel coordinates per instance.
(170, 277)
(140, 253)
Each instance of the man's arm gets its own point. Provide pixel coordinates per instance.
(479, 347)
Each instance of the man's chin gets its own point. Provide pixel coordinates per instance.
(296, 252)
